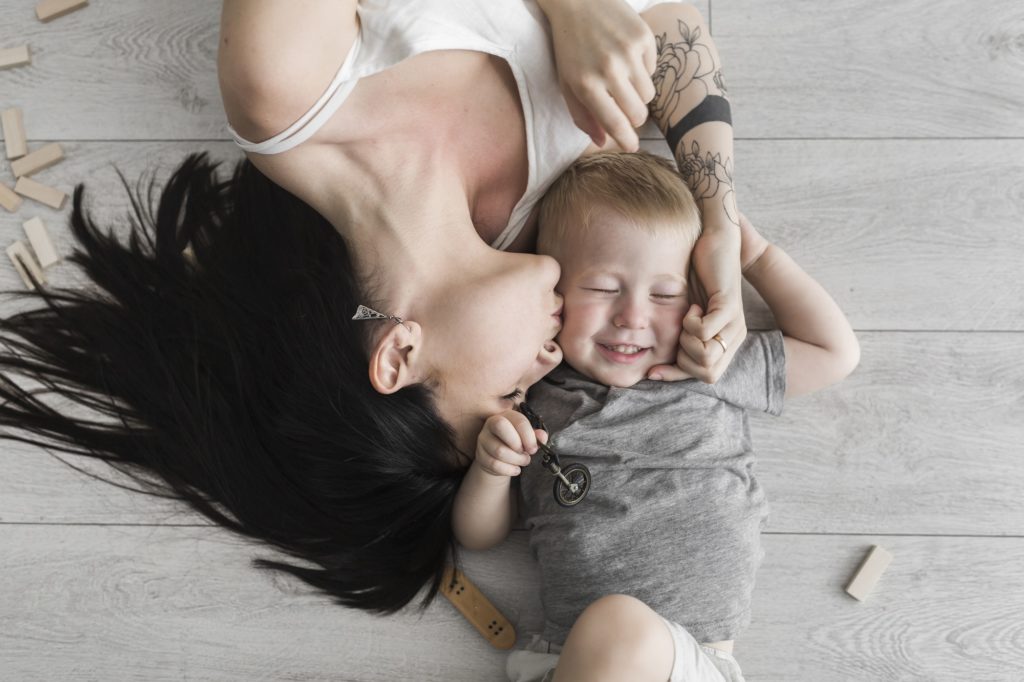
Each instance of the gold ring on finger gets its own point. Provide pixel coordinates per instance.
(718, 337)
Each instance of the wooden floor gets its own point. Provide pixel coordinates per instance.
(880, 143)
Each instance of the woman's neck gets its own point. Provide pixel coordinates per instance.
(408, 222)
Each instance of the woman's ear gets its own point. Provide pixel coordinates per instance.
(397, 359)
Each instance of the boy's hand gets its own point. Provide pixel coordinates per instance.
(504, 442)
(752, 244)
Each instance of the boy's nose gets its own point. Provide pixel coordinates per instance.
(631, 315)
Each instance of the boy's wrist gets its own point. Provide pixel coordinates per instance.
(756, 266)
(488, 478)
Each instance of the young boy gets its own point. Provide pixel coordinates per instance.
(649, 577)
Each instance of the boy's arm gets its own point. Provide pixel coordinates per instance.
(484, 509)
(821, 347)
(485, 505)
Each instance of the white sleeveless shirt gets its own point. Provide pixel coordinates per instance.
(514, 30)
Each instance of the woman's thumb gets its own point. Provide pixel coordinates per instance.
(667, 373)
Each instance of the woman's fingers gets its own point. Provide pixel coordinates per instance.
(644, 88)
(610, 116)
(583, 119)
(629, 100)
(667, 373)
(702, 359)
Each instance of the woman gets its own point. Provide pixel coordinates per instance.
(239, 381)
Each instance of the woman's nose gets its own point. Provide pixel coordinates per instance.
(552, 271)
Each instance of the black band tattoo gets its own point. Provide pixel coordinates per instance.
(687, 72)
(711, 108)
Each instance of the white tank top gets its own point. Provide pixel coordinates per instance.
(514, 30)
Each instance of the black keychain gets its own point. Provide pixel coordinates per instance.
(571, 483)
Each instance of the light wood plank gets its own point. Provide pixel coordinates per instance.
(923, 438)
(798, 70)
(857, 68)
(883, 430)
(153, 78)
(905, 235)
(170, 603)
(932, 242)
(126, 70)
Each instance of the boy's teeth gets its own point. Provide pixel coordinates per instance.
(627, 350)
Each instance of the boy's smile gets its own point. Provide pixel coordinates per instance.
(625, 297)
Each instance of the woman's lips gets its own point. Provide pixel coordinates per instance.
(558, 317)
(622, 358)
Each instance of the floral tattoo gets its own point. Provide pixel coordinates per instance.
(708, 176)
(687, 73)
(681, 65)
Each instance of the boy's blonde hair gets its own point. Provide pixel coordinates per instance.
(645, 189)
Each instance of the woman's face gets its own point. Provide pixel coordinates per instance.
(491, 335)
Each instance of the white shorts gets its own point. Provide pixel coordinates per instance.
(694, 662)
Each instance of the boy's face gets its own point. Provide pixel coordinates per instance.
(625, 297)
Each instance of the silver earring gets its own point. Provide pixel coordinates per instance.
(364, 313)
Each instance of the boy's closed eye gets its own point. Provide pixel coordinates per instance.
(615, 291)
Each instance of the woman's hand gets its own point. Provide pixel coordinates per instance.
(504, 442)
(716, 259)
(605, 55)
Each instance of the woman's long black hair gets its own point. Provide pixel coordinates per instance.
(237, 382)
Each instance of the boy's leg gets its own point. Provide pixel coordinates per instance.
(617, 639)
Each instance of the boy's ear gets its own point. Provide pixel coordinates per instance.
(397, 359)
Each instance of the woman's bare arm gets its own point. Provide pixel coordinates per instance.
(691, 109)
(276, 58)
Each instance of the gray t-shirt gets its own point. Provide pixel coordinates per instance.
(674, 513)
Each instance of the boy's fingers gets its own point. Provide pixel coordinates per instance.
(496, 467)
(503, 469)
(506, 454)
(524, 431)
(506, 432)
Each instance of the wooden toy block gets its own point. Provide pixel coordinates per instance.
(14, 133)
(44, 157)
(39, 238)
(14, 56)
(22, 259)
(47, 10)
(870, 571)
(8, 199)
(44, 194)
(471, 603)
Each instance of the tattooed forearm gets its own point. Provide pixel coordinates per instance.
(692, 109)
(707, 175)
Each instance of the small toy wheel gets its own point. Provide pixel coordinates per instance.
(579, 476)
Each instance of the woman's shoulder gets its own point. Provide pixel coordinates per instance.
(273, 63)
